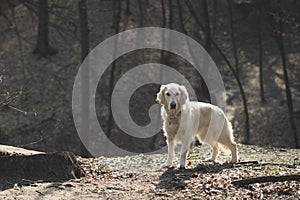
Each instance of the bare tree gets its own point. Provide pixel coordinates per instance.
(279, 35)
(127, 13)
(233, 39)
(163, 14)
(203, 16)
(127, 8)
(214, 17)
(181, 17)
(141, 21)
(170, 4)
(116, 4)
(207, 41)
(84, 41)
(261, 80)
(43, 47)
(164, 22)
(244, 99)
(84, 36)
(14, 24)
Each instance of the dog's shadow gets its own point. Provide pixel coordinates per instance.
(174, 179)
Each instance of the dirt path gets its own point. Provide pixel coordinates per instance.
(140, 177)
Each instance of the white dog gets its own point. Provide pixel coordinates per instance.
(184, 119)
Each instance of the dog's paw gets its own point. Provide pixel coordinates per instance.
(166, 165)
(233, 161)
(209, 160)
(181, 167)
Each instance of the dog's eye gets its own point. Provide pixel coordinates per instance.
(177, 94)
(168, 94)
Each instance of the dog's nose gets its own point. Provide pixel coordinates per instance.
(173, 105)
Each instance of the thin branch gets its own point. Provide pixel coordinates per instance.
(31, 143)
(22, 111)
(10, 98)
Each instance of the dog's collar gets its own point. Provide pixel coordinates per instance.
(176, 116)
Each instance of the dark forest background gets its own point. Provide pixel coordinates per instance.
(255, 44)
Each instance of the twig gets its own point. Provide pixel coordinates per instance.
(31, 143)
(10, 98)
(40, 193)
(240, 164)
(116, 188)
(17, 109)
(22, 111)
(263, 179)
(255, 162)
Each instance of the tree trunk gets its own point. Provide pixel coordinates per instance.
(84, 42)
(280, 42)
(20, 164)
(214, 18)
(141, 17)
(116, 24)
(244, 99)
(170, 14)
(261, 81)
(207, 41)
(233, 37)
(245, 104)
(84, 31)
(43, 47)
(163, 25)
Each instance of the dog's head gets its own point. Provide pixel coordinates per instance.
(172, 96)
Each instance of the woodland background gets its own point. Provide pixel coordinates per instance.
(255, 44)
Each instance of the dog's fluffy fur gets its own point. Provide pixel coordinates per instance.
(185, 119)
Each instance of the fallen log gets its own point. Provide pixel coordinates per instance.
(6, 150)
(263, 179)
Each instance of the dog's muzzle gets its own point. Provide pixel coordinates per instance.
(173, 105)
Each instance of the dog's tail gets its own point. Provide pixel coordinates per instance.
(226, 138)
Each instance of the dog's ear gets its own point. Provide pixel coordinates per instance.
(160, 98)
(184, 96)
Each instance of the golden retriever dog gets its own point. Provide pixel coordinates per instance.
(185, 119)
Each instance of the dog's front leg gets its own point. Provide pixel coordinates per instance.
(183, 153)
(171, 153)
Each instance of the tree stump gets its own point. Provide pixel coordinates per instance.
(18, 163)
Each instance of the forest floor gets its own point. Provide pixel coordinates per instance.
(141, 177)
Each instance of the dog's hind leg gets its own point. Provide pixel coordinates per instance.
(233, 149)
(215, 152)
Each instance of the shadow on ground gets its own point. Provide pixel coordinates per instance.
(174, 179)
